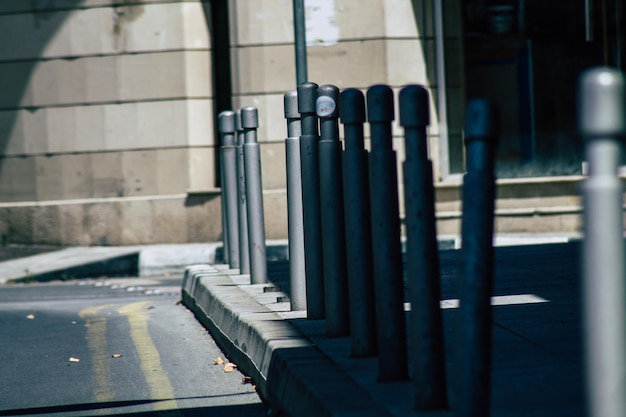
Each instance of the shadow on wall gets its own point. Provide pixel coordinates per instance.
(424, 20)
(217, 17)
(26, 30)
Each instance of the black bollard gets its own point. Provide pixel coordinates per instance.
(357, 225)
(309, 156)
(332, 212)
(387, 252)
(422, 254)
(477, 254)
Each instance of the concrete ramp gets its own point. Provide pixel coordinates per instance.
(73, 263)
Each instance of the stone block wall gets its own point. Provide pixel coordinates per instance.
(107, 107)
(104, 100)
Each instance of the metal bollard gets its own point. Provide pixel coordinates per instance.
(422, 258)
(244, 251)
(297, 272)
(225, 258)
(254, 196)
(332, 212)
(357, 225)
(475, 313)
(602, 123)
(309, 158)
(228, 154)
(387, 253)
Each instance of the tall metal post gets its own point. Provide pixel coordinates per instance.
(244, 251)
(603, 124)
(254, 196)
(387, 254)
(299, 28)
(309, 157)
(228, 154)
(474, 379)
(358, 225)
(422, 258)
(297, 272)
(332, 212)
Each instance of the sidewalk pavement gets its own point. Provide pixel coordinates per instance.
(537, 346)
(47, 263)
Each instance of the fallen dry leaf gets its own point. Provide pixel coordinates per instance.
(116, 355)
(218, 361)
(149, 307)
(229, 367)
(30, 317)
(72, 359)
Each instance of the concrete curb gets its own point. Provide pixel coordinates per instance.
(291, 373)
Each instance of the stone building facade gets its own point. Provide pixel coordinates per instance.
(108, 109)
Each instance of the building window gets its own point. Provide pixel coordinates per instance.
(526, 56)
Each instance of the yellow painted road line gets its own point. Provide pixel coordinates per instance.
(150, 360)
(98, 349)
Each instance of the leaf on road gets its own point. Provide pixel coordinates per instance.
(218, 361)
(73, 359)
(229, 367)
(31, 317)
(116, 355)
(149, 307)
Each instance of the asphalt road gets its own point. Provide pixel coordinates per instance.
(112, 347)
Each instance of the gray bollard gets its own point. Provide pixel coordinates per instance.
(244, 251)
(422, 254)
(332, 212)
(357, 225)
(254, 196)
(603, 125)
(297, 272)
(228, 154)
(225, 257)
(309, 158)
(387, 250)
(474, 379)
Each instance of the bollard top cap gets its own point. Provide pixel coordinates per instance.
(480, 120)
(414, 106)
(249, 117)
(380, 104)
(291, 105)
(307, 94)
(352, 106)
(326, 104)
(226, 121)
(601, 104)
